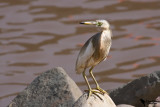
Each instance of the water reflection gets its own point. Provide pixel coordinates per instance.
(38, 35)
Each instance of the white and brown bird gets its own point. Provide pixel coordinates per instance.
(95, 50)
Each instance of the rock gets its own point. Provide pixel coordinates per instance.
(53, 88)
(125, 105)
(148, 103)
(154, 104)
(94, 101)
(146, 88)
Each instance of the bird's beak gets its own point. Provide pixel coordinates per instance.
(89, 23)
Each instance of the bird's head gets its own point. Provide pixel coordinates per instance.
(103, 24)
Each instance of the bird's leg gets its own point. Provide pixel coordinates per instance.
(89, 87)
(90, 91)
(97, 85)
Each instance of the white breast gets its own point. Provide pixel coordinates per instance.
(106, 41)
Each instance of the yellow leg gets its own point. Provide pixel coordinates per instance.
(97, 86)
(89, 87)
(90, 91)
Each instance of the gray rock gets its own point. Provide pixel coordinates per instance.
(53, 88)
(94, 101)
(154, 104)
(124, 105)
(138, 91)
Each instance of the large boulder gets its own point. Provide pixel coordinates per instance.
(139, 92)
(53, 88)
(94, 101)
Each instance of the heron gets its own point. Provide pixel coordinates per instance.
(94, 51)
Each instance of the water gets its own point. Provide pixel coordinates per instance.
(38, 35)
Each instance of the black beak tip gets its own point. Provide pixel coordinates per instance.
(81, 23)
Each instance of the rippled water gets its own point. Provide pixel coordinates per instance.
(38, 35)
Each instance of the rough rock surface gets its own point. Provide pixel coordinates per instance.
(146, 88)
(154, 104)
(53, 88)
(124, 105)
(94, 101)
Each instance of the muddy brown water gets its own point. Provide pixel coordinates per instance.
(37, 35)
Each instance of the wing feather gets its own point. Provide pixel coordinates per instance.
(84, 56)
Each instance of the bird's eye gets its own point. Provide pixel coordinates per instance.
(99, 23)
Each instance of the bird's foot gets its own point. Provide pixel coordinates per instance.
(93, 91)
(101, 90)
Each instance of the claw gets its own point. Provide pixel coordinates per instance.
(93, 91)
(101, 90)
